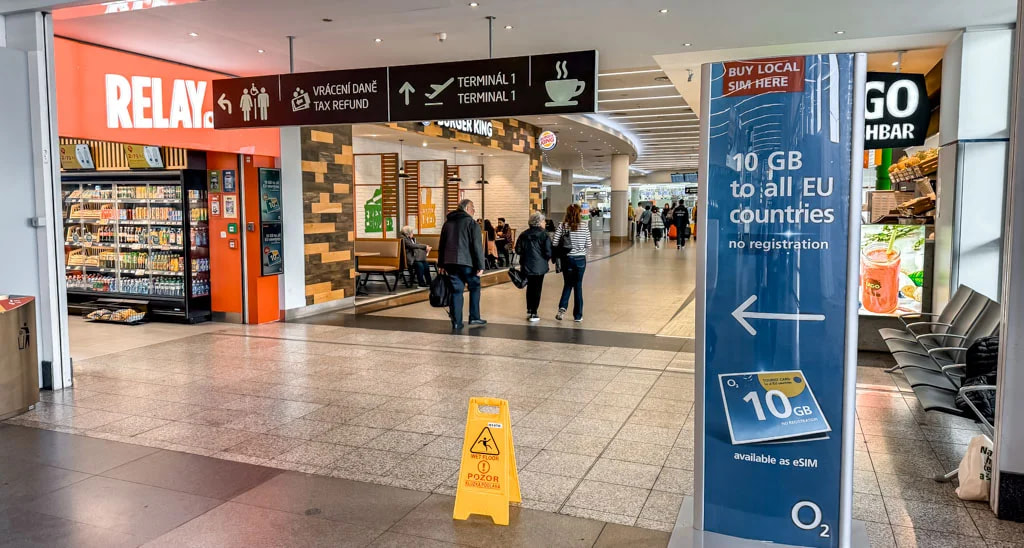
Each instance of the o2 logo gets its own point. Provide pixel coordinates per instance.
(815, 521)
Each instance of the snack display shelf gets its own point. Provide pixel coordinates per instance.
(118, 207)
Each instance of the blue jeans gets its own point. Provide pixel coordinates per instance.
(572, 278)
(422, 271)
(464, 277)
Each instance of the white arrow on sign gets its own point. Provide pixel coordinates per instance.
(224, 103)
(406, 89)
(742, 316)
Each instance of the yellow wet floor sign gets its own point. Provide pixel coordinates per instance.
(488, 479)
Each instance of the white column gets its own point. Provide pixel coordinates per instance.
(1008, 469)
(293, 280)
(620, 196)
(974, 131)
(31, 210)
(559, 197)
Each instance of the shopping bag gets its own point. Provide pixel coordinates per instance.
(672, 234)
(976, 470)
(441, 291)
(517, 277)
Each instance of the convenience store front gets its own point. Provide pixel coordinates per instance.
(160, 211)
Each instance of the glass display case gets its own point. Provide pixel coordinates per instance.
(139, 236)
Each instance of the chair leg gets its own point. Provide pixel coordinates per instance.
(894, 369)
(388, 283)
(946, 478)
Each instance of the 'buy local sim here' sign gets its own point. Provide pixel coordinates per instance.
(784, 74)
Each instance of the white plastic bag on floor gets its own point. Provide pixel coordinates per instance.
(976, 470)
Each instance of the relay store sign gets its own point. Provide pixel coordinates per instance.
(775, 294)
(111, 95)
(897, 110)
(558, 83)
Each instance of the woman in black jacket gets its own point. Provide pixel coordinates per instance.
(534, 250)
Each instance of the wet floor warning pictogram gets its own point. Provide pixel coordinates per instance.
(488, 480)
(485, 444)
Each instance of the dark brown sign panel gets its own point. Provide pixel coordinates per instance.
(558, 83)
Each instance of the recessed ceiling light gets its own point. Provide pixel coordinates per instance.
(261, 51)
(327, 20)
(509, 27)
(473, 4)
(687, 44)
(840, 32)
(663, 10)
(377, 40)
(193, 34)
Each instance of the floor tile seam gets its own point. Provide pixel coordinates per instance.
(603, 451)
(463, 352)
(91, 525)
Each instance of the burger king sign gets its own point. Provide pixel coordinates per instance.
(547, 140)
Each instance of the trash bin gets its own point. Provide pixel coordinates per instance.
(19, 362)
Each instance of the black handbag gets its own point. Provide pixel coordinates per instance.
(564, 244)
(441, 291)
(517, 277)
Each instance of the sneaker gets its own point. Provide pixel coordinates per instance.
(578, 320)
(534, 318)
(560, 315)
(477, 322)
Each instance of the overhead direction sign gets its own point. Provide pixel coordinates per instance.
(558, 83)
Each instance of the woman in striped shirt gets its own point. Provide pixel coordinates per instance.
(574, 236)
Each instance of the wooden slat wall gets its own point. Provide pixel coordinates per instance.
(451, 189)
(412, 188)
(389, 184)
(110, 156)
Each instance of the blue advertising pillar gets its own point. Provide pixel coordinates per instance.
(777, 307)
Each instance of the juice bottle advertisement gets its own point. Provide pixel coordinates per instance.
(891, 269)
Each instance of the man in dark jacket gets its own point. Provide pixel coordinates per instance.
(681, 218)
(461, 256)
(534, 250)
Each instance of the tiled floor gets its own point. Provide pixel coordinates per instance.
(601, 432)
(60, 490)
(90, 339)
(640, 290)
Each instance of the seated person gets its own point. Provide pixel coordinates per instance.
(416, 257)
(503, 241)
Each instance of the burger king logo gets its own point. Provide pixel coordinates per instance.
(547, 140)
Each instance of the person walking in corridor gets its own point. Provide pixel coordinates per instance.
(681, 220)
(645, 221)
(534, 250)
(657, 227)
(575, 262)
(461, 257)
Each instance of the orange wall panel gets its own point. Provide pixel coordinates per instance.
(225, 263)
(264, 296)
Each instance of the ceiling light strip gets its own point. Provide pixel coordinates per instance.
(655, 98)
(640, 109)
(625, 72)
(637, 88)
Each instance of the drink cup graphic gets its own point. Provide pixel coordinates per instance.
(879, 278)
(563, 91)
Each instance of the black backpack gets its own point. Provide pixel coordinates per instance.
(441, 291)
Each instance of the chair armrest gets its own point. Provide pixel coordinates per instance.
(918, 315)
(990, 429)
(943, 324)
(945, 349)
(948, 371)
(950, 335)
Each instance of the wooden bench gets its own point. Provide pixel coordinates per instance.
(434, 241)
(389, 261)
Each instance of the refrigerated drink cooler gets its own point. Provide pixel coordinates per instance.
(19, 362)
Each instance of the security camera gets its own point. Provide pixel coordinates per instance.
(442, 36)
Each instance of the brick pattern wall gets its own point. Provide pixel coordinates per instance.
(328, 212)
(509, 134)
